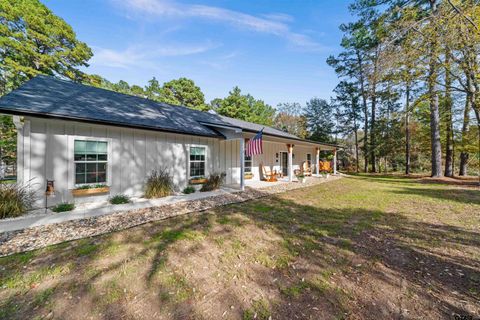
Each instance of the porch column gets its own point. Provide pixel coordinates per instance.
(334, 161)
(317, 161)
(242, 164)
(290, 162)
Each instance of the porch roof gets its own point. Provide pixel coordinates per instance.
(249, 129)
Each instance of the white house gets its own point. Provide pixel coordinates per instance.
(78, 135)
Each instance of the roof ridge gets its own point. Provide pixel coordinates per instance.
(71, 82)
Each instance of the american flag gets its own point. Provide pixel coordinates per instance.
(254, 145)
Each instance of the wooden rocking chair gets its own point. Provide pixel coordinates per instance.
(306, 169)
(268, 175)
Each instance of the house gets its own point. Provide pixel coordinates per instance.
(78, 135)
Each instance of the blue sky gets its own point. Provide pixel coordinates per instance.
(272, 49)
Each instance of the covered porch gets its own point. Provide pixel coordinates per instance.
(282, 161)
(284, 156)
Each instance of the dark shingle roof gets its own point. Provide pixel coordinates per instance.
(48, 96)
(254, 127)
(53, 97)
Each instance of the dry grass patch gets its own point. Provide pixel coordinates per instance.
(358, 248)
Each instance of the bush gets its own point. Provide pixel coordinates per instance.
(15, 199)
(159, 184)
(62, 207)
(214, 181)
(189, 190)
(119, 199)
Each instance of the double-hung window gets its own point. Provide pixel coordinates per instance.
(197, 162)
(91, 161)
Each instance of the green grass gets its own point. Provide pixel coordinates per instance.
(259, 310)
(276, 257)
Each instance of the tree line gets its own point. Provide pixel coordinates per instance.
(35, 41)
(408, 96)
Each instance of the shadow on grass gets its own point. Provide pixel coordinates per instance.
(318, 241)
(467, 196)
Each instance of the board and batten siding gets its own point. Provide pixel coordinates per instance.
(45, 151)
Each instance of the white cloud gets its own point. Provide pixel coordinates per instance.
(141, 55)
(275, 24)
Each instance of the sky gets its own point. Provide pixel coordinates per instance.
(273, 49)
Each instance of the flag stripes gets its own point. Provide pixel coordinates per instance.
(254, 145)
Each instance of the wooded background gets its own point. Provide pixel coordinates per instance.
(407, 99)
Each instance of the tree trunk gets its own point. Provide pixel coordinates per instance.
(372, 121)
(365, 111)
(407, 130)
(372, 133)
(466, 122)
(448, 120)
(434, 112)
(356, 149)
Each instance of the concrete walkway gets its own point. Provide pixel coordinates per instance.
(44, 217)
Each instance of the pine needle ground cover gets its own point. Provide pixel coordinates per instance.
(365, 247)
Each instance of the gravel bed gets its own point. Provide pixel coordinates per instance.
(42, 236)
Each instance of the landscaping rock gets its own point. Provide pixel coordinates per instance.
(42, 236)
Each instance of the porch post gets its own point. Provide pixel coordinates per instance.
(317, 161)
(242, 164)
(334, 161)
(290, 162)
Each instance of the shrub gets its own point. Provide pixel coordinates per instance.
(15, 199)
(159, 184)
(214, 181)
(189, 189)
(119, 199)
(62, 207)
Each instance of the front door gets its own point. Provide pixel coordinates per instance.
(284, 163)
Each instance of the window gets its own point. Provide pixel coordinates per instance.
(197, 162)
(248, 164)
(90, 161)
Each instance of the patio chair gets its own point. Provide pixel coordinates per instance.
(268, 175)
(306, 169)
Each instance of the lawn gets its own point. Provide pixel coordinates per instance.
(365, 247)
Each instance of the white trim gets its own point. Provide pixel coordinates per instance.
(195, 145)
(242, 163)
(71, 158)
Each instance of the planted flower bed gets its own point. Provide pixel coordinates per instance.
(87, 190)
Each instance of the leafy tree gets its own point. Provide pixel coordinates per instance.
(122, 87)
(8, 138)
(352, 64)
(348, 99)
(183, 92)
(290, 118)
(259, 111)
(235, 105)
(244, 107)
(33, 40)
(152, 89)
(319, 113)
(137, 91)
